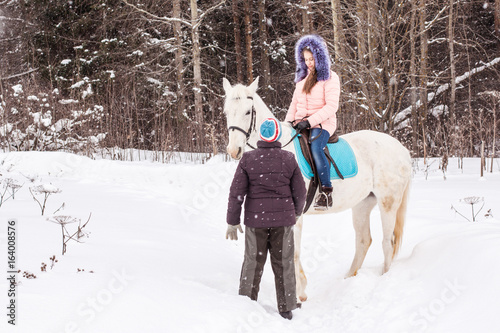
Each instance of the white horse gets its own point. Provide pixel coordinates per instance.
(383, 178)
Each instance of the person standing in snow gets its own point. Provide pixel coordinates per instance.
(269, 180)
(314, 105)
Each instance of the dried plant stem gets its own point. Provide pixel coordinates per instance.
(42, 206)
(66, 236)
(3, 198)
(456, 211)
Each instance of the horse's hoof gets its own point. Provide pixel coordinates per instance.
(351, 275)
(303, 298)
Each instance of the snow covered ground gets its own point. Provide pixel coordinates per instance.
(156, 258)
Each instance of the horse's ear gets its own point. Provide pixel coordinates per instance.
(226, 84)
(255, 84)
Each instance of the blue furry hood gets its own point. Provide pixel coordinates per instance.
(321, 57)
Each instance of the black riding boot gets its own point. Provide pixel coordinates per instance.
(324, 200)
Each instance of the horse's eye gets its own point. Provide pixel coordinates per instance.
(246, 114)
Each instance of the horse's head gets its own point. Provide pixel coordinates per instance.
(240, 115)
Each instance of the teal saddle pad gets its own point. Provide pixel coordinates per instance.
(341, 153)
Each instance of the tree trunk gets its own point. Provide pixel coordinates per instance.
(497, 18)
(198, 103)
(483, 164)
(413, 80)
(494, 132)
(337, 31)
(363, 69)
(248, 39)
(3, 114)
(306, 29)
(266, 72)
(179, 67)
(393, 72)
(423, 72)
(360, 32)
(453, 85)
(371, 38)
(237, 42)
(469, 89)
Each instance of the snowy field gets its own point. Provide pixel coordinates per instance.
(154, 257)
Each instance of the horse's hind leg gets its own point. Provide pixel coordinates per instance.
(300, 277)
(388, 211)
(361, 221)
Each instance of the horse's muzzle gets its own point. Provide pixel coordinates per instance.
(234, 153)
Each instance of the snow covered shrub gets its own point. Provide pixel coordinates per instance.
(45, 121)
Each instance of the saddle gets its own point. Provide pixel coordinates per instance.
(304, 140)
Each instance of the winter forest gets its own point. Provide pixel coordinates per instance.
(91, 76)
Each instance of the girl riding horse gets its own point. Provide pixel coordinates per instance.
(314, 105)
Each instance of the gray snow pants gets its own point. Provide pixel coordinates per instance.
(279, 242)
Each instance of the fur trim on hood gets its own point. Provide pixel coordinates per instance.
(321, 57)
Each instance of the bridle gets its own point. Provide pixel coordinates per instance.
(250, 128)
(253, 128)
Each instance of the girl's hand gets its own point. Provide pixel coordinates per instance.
(302, 125)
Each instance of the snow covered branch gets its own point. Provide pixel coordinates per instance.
(163, 18)
(171, 19)
(20, 74)
(200, 19)
(400, 118)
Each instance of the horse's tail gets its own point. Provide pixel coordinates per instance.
(400, 220)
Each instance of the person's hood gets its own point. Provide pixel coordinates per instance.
(318, 47)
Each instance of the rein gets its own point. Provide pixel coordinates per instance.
(297, 133)
(293, 137)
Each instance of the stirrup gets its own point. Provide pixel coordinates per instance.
(327, 205)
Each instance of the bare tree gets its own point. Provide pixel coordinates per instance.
(306, 26)
(423, 71)
(497, 18)
(237, 41)
(494, 98)
(264, 55)
(338, 41)
(248, 39)
(413, 78)
(179, 66)
(198, 102)
(453, 75)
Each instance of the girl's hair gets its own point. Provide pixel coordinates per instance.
(310, 81)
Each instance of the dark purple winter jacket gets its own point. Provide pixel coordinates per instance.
(270, 179)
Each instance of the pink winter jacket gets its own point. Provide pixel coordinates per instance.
(320, 105)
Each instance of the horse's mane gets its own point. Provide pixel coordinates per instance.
(239, 91)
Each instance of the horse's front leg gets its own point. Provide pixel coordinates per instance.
(300, 277)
